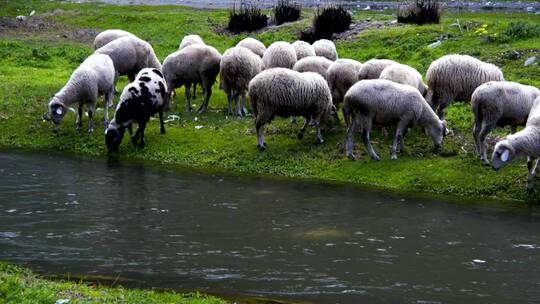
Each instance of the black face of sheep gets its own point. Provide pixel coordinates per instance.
(502, 155)
(56, 113)
(113, 138)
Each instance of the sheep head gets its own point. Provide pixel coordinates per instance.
(56, 110)
(502, 154)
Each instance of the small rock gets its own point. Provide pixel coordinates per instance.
(62, 301)
(529, 9)
(530, 61)
(434, 44)
(199, 127)
(393, 21)
(367, 8)
(32, 13)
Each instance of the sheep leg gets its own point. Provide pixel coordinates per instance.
(78, 121)
(130, 129)
(317, 123)
(204, 105)
(259, 126)
(90, 118)
(135, 138)
(366, 130)
(230, 99)
(443, 103)
(142, 126)
(303, 129)
(194, 90)
(244, 104)
(238, 105)
(476, 130)
(532, 173)
(349, 145)
(161, 122)
(108, 100)
(486, 128)
(400, 130)
(188, 97)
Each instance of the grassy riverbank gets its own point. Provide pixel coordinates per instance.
(37, 58)
(19, 285)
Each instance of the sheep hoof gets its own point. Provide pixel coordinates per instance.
(351, 156)
(393, 157)
(376, 157)
(319, 140)
(300, 135)
(162, 130)
(485, 161)
(262, 147)
(90, 130)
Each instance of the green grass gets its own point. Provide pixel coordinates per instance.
(20, 286)
(36, 64)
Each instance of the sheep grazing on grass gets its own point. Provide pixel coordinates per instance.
(499, 103)
(303, 49)
(373, 68)
(253, 45)
(187, 41)
(525, 143)
(325, 48)
(109, 35)
(94, 77)
(287, 93)
(404, 74)
(341, 75)
(238, 66)
(382, 102)
(279, 55)
(130, 55)
(190, 40)
(140, 99)
(195, 63)
(454, 77)
(316, 64)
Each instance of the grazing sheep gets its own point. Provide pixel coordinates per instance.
(373, 68)
(190, 40)
(303, 49)
(499, 103)
(325, 48)
(94, 77)
(187, 41)
(404, 74)
(286, 93)
(195, 63)
(523, 143)
(238, 66)
(279, 54)
(316, 64)
(341, 75)
(456, 77)
(109, 35)
(139, 100)
(253, 45)
(383, 102)
(130, 55)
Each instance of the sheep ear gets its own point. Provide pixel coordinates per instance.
(505, 155)
(59, 110)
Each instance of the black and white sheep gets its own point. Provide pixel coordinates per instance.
(373, 68)
(195, 63)
(499, 103)
(279, 54)
(303, 49)
(287, 93)
(525, 143)
(238, 66)
(325, 48)
(315, 64)
(139, 101)
(109, 35)
(253, 45)
(404, 74)
(93, 78)
(456, 77)
(130, 55)
(383, 103)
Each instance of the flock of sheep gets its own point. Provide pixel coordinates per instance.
(300, 79)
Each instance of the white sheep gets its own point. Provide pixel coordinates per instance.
(94, 77)
(499, 103)
(341, 75)
(325, 48)
(525, 143)
(238, 66)
(373, 68)
(130, 55)
(404, 74)
(316, 64)
(109, 35)
(195, 63)
(456, 77)
(139, 101)
(287, 93)
(303, 49)
(253, 45)
(382, 102)
(279, 54)
(187, 41)
(190, 40)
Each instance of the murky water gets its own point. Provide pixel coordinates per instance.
(256, 236)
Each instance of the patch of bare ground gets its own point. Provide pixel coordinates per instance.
(40, 27)
(358, 27)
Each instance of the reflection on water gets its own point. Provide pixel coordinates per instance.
(255, 236)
